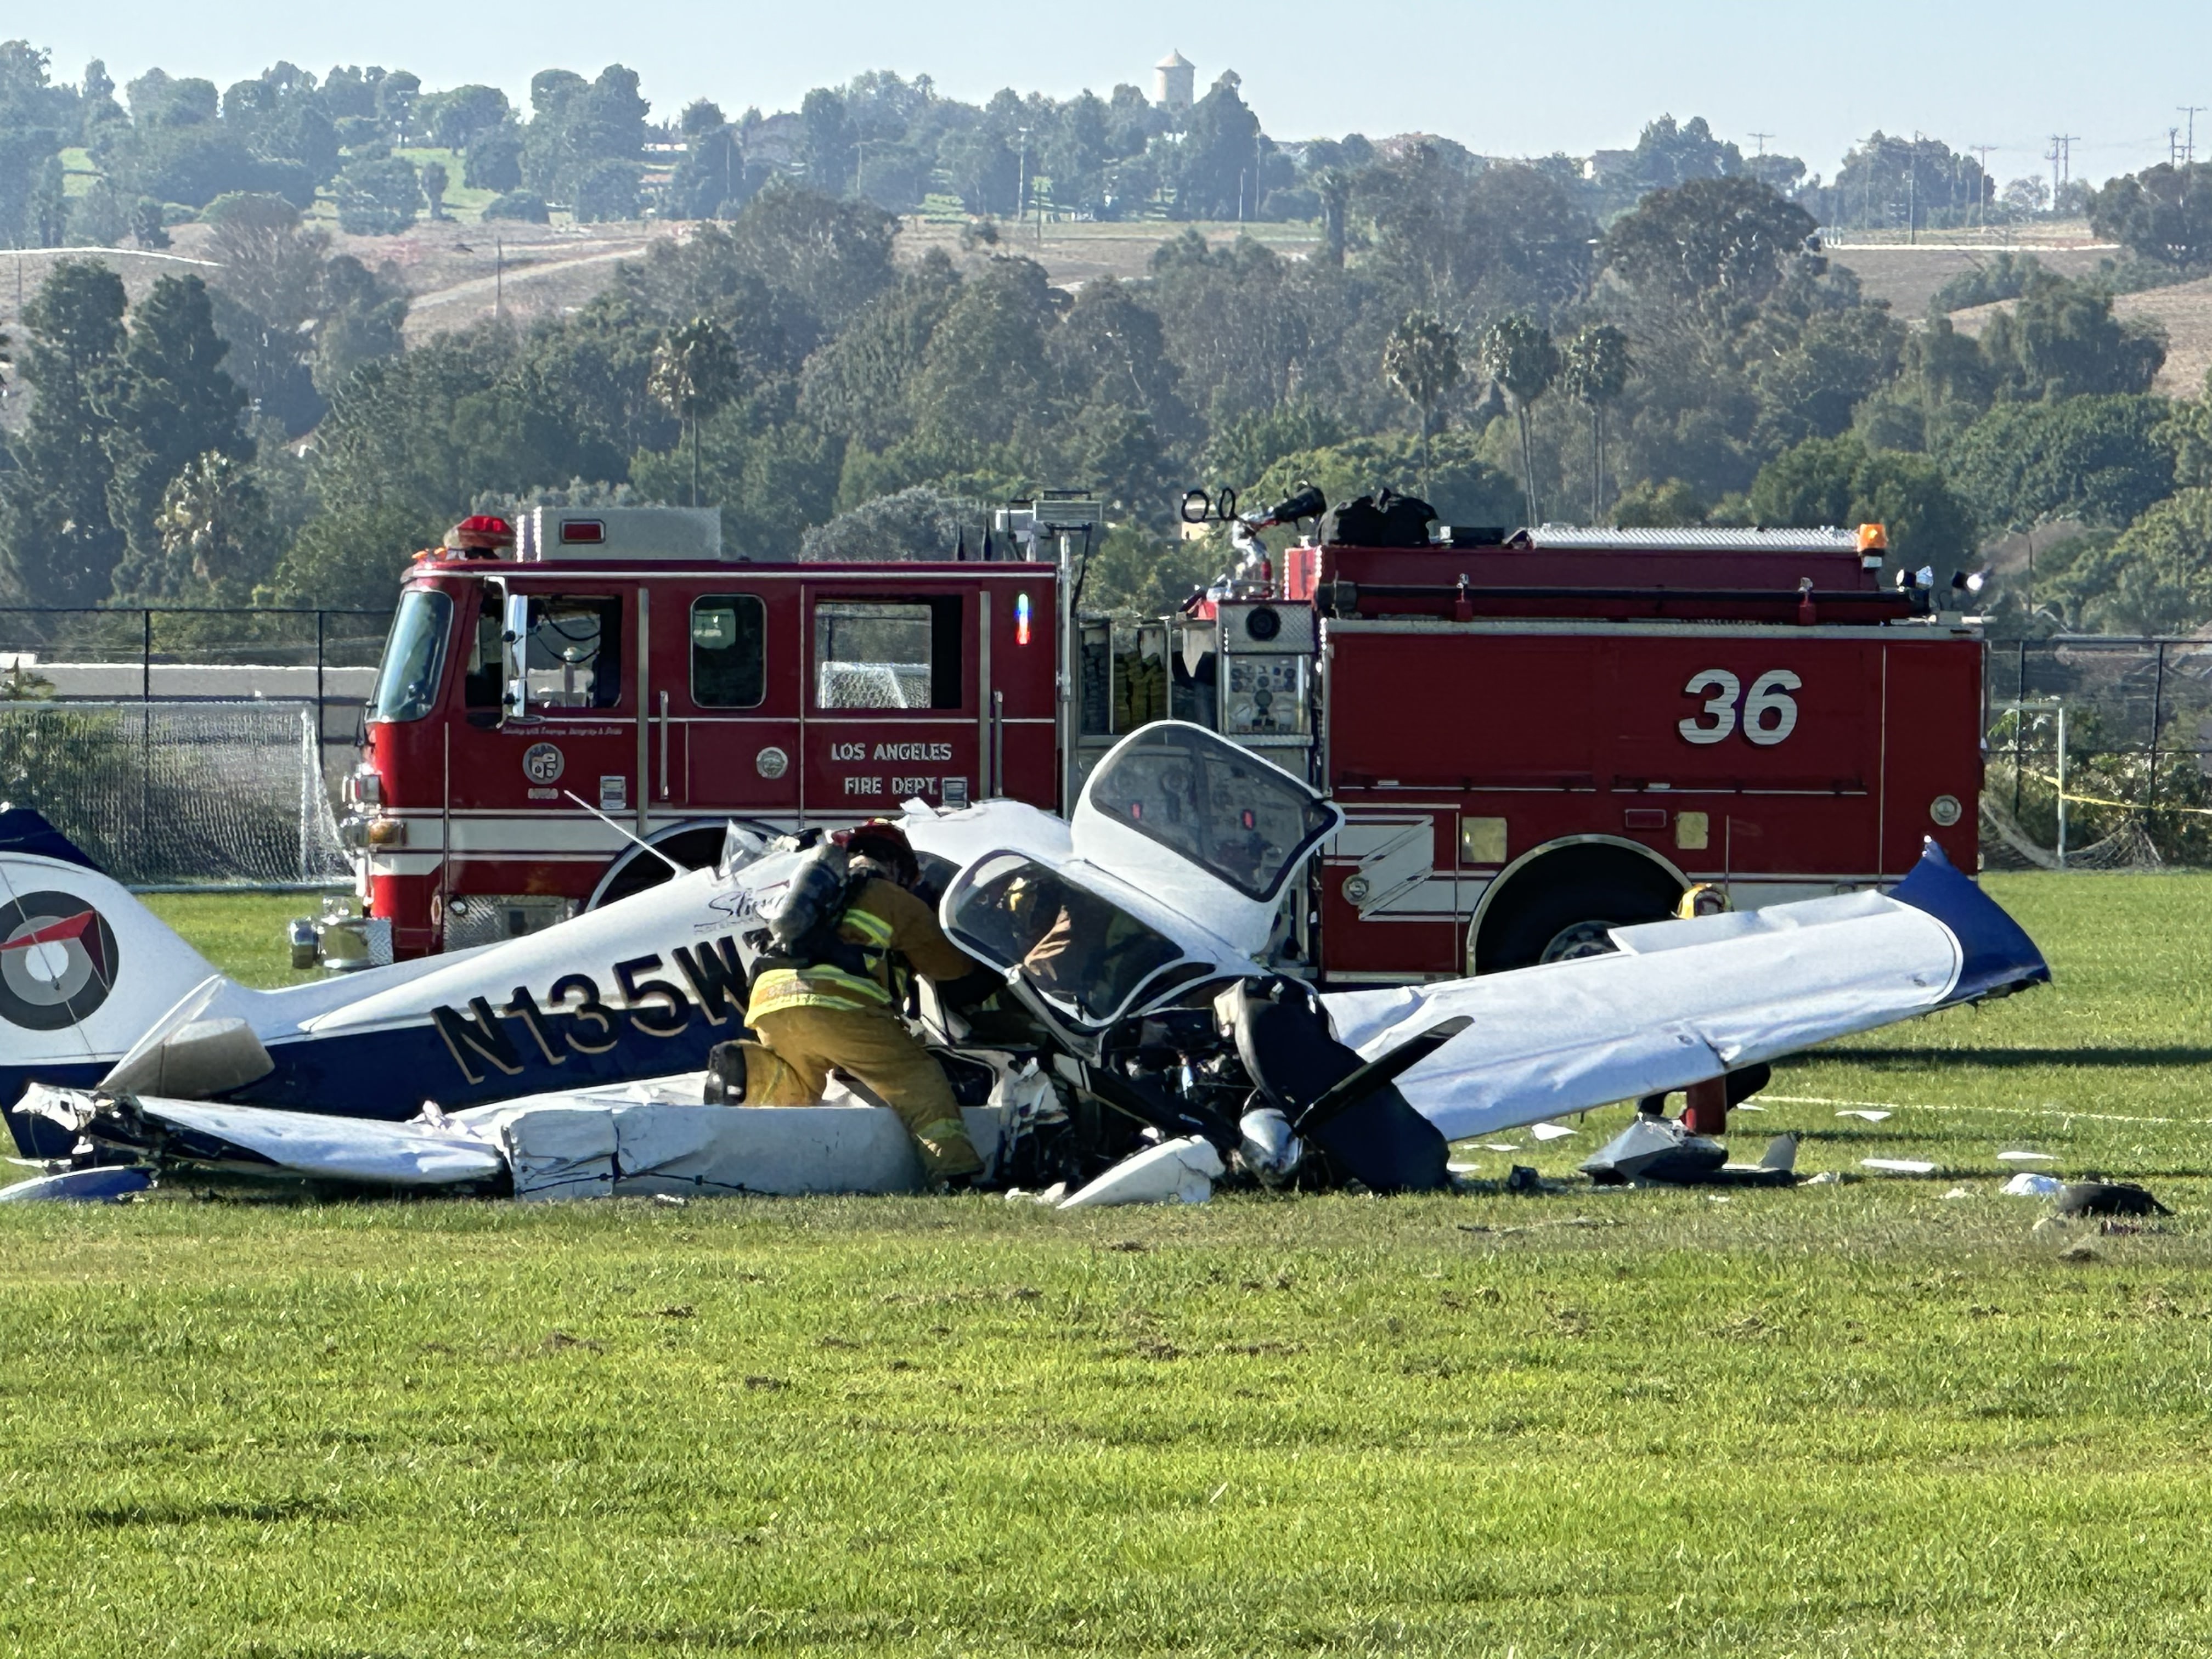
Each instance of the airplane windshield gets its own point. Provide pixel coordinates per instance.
(1233, 816)
(1077, 949)
(414, 657)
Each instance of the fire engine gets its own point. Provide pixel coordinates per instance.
(1534, 736)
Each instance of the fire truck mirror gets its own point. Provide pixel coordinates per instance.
(515, 642)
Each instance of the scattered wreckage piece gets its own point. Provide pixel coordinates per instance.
(1664, 1151)
(112, 1184)
(625, 1141)
(2100, 1197)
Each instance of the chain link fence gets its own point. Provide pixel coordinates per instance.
(2100, 753)
(182, 746)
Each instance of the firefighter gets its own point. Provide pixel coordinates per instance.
(808, 1018)
(1703, 899)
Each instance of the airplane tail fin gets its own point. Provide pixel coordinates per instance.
(84, 967)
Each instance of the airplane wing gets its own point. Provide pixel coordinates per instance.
(1683, 1002)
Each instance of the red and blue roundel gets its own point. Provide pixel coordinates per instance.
(57, 961)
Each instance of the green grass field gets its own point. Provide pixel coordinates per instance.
(1871, 1419)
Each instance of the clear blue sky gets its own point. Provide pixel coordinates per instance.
(1504, 80)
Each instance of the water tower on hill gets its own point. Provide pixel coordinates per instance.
(1175, 83)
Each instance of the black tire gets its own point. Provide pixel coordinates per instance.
(1561, 906)
(637, 869)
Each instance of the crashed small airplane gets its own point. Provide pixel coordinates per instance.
(1149, 1060)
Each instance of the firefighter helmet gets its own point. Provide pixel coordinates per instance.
(881, 841)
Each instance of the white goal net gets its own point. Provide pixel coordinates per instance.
(159, 793)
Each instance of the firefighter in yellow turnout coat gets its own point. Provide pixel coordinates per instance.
(809, 1019)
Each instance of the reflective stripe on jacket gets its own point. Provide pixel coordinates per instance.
(886, 922)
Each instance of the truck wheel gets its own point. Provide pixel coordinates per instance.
(1562, 907)
(637, 869)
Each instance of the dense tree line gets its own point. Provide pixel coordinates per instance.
(1657, 340)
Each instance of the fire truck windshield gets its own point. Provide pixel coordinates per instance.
(1227, 812)
(414, 656)
(1079, 949)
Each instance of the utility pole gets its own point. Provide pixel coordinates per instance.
(1912, 191)
(1022, 189)
(1760, 173)
(498, 279)
(1982, 154)
(2051, 156)
(2189, 150)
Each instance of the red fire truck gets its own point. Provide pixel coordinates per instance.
(1533, 736)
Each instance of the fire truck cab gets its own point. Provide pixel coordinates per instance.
(1535, 737)
(610, 672)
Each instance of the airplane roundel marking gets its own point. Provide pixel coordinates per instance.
(58, 961)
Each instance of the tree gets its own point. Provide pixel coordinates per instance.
(606, 190)
(917, 523)
(378, 198)
(1730, 238)
(825, 142)
(352, 559)
(1594, 371)
(435, 180)
(60, 545)
(1421, 359)
(214, 526)
(695, 373)
(2156, 577)
(455, 119)
(1518, 357)
(1840, 480)
(2163, 213)
(2099, 459)
(493, 161)
(2061, 340)
(171, 403)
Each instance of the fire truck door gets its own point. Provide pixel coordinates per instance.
(568, 723)
(896, 698)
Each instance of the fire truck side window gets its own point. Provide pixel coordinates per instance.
(888, 654)
(729, 650)
(574, 653)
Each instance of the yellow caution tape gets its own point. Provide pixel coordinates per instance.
(2099, 800)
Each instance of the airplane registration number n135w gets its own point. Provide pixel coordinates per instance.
(575, 1019)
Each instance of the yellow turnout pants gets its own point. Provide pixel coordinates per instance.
(790, 1065)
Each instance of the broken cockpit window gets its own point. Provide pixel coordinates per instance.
(1233, 815)
(1077, 949)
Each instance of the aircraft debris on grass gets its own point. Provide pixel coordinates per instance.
(1159, 1056)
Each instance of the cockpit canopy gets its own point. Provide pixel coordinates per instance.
(1180, 853)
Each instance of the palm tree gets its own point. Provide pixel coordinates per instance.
(695, 373)
(210, 518)
(1594, 372)
(1421, 357)
(1518, 355)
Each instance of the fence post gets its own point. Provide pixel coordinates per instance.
(319, 685)
(2157, 718)
(145, 731)
(2019, 696)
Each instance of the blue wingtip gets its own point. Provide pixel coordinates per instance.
(1999, 955)
(25, 829)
